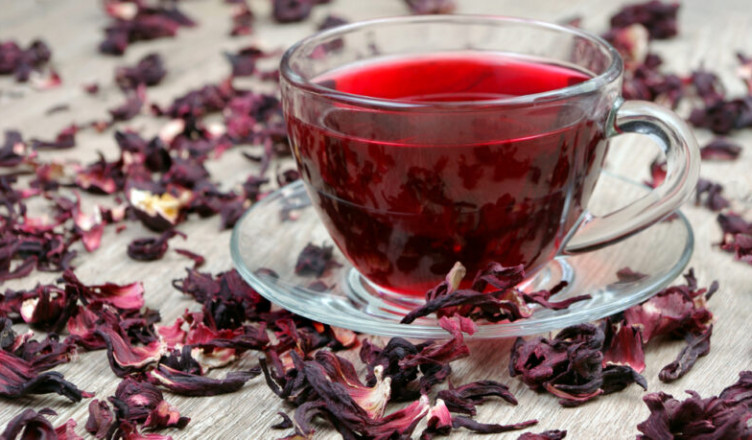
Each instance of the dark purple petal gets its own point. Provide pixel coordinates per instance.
(315, 260)
(131, 107)
(141, 22)
(65, 139)
(721, 149)
(331, 21)
(187, 384)
(545, 435)
(243, 62)
(67, 431)
(149, 71)
(618, 377)
(721, 417)
(198, 260)
(290, 11)
(22, 62)
(286, 422)
(126, 358)
(13, 150)
(490, 428)
(709, 194)
(151, 249)
(18, 378)
(31, 425)
(625, 347)
(242, 19)
(698, 345)
(658, 17)
(100, 419)
(431, 6)
(464, 398)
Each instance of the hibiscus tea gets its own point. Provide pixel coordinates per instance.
(448, 172)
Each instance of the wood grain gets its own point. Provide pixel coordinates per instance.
(710, 33)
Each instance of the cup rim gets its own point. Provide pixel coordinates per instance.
(611, 73)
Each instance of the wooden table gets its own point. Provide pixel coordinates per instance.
(710, 33)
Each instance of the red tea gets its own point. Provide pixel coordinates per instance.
(407, 192)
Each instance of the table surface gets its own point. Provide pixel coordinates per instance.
(710, 34)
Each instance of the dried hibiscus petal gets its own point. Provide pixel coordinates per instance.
(165, 416)
(492, 297)
(198, 260)
(720, 149)
(707, 85)
(100, 177)
(124, 297)
(488, 428)
(141, 402)
(722, 116)
(64, 140)
(22, 62)
(741, 246)
(89, 226)
(13, 150)
(290, 11)
(314, 260)
(67, 431)
(401, 423)
(158, 211)
(732, 224)
(431, 6)
(243, 62)
(723, 416)
(463, 399)
(554, 434)
(624, 346)
(18, 378)
(151, 249)
(285, 423)
(125, 358)
(439, 421)
(31, 425)
(47, 307)
(570, 366)
(82, 328)
(149, 71)
(135, 21)
(697, 345)
(134, 101)
(47, 353)
(331, 21)
(632, 42)
(242, 19)
(388, 358)
(676, 310)
(100, 419)
(658, 17)
(711, 192)
(372, 399)
(188, 384)
(454, 348)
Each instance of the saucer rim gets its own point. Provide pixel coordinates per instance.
(382, 327)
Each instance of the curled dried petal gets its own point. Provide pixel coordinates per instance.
(30, 425)
(187, 384)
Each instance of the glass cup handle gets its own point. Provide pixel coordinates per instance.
(678, 143)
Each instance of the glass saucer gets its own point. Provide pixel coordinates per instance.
(267, 240)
